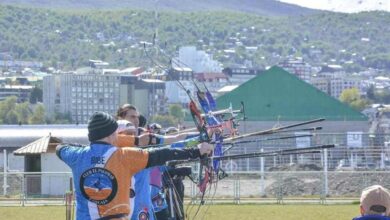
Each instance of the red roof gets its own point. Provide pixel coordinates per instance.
(210, 76)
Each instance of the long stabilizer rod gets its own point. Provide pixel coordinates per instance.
(272, 130)
(265, 139)
(292, 151)
(273, 153)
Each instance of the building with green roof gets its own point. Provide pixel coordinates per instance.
(278, 95)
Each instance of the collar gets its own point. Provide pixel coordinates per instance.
(100, 142)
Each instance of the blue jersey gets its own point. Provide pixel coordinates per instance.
(159, 201)
(149, 197)
(143, 208)
(372, 217)
(143, 205)
(156, 192)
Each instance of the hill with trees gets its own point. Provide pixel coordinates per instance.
(260, 7)
(69, 38)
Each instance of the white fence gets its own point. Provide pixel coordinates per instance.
(255, 187)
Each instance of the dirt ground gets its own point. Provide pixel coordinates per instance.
(296, 181)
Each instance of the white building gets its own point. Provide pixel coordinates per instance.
(175, 94)
(337, 85)
(333, 80)
(197, 60)
(80, 95)
(31, 148)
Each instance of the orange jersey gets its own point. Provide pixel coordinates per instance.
(102, 176)
(125, 141)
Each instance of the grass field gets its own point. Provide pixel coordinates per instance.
(219, 212)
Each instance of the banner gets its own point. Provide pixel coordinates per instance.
(354, 139)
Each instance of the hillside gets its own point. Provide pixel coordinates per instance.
(69, 38)
(260, 7)
(347, 6)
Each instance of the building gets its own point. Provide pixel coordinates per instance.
(212, 81)
(239, 75)
(180, 73)
(82, 94)
(298, 67)
(338, 84)
(173, 91)
(19, 65)
(333, 81)
(157, 101)
(176, 94)
(321, 83)
(197, 60)
(276, 97)
(22, 92)
(31, 148)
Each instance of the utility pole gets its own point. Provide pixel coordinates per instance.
(155, 44)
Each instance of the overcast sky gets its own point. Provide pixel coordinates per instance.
(343, 5)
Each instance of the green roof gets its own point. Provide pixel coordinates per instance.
(278, 95)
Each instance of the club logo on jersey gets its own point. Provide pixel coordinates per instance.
(98, 185)
(143, 216)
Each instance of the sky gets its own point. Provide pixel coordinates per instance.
(349, 6)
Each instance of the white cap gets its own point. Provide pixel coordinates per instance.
(124, 125)
(375, 200)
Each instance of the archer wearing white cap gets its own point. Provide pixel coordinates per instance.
(374, 203)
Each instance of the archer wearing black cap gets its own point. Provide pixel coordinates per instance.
(102, 172)
(101, 125)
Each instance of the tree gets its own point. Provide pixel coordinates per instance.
(6, 106)
(11, 117)
(38, 116)
(60, 118)
(36, 95)
(353, 99)
(23, 112)
(176, 111)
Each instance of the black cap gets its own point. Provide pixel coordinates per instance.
(101, 125)
(142, 121)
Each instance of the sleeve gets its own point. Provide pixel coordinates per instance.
(125, 141)
(134, 158)
(159, 156)
(68, 153)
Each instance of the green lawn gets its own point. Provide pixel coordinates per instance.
(220, 212)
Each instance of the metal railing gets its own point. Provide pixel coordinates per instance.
(254, 187)
(359, 160)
